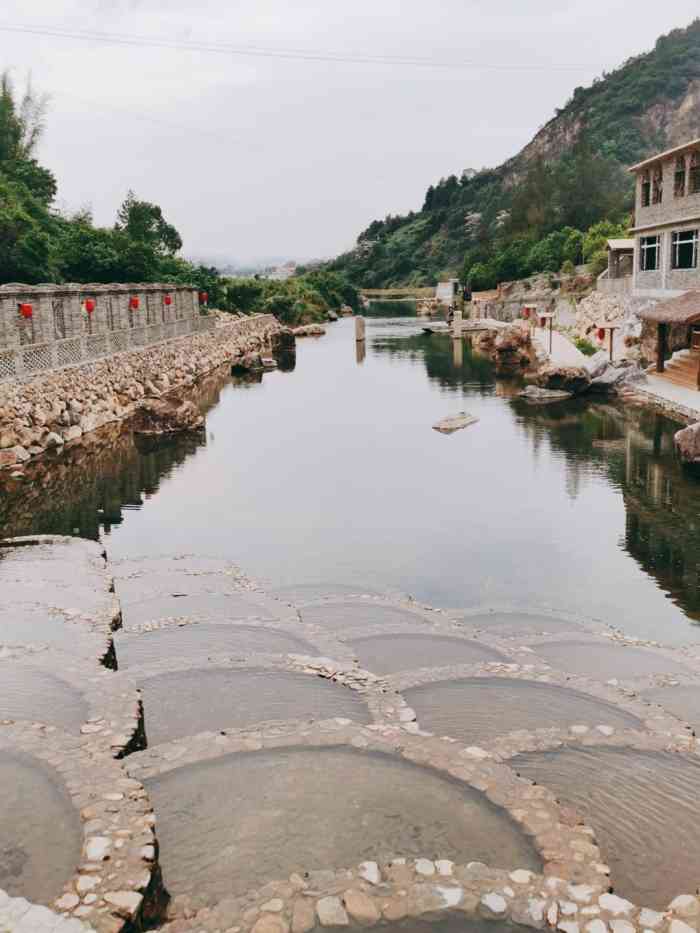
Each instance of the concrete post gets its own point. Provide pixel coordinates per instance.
(359, 328)
(457, 322)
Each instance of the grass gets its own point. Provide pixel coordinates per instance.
(585, 346)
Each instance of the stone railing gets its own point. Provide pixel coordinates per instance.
(610, 286)
(40, 357)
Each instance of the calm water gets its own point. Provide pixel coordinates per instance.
(332, 473)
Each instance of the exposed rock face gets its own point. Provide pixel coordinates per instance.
(510, 347)
(162, 416)
(60, 407)
(571, 379)
(687, 443)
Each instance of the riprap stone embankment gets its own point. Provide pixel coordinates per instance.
(61, 406)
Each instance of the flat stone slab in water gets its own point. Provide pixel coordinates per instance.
(231, 824)
(475, 709)
(27, 626)
(187, 702)
(137, 589)
(27, 694)
(514, 623)
(204, 640)
(682, 701)
(40, 835)
(340, 616)
(643, 808)
(223, 608)
(387, 654)
(605, 661)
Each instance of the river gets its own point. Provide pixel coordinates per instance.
(332, 473)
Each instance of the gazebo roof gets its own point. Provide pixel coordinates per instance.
(682, 310)
(620, 244)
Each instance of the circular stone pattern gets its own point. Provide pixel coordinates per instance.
(605, 661)
(40, 835)
(204, 640)
(188, 702)
(480, 708)
(309, 592)
(31, 695)
(224, 608)
(682, 701)
(228, 825)
(643, 808)
(388, 654)
(341, 616)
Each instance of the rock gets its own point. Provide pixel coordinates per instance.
(21, 455)
(650, 919)
(370, 872)
(331, 912)
(425, 867)
(521, 876)
(454, 423)
(67, 902)
(309, 330)
(271, 923)
(493, 905)
(303, 916)
(361, 908)
(540, 396)
(126, 903)
(274, 906)
(687, 443)
(573, 379)
(97, 848)
(72, 433)
(678, 926)
(157, 417)
(597, 364)
(332, 316)
(685, 905)
(616, 905)
(53, 440)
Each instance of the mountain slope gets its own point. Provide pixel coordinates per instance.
(650, 103)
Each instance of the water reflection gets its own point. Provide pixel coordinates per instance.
(334, 474)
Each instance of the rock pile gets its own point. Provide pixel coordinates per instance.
(60, 407)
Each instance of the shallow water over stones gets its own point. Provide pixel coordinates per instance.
(308, 592)
(225, 608)
(204, 640)
(236, 822)
(341, 616)
(34, 695)
(515, 623)
(643, 808)
(387, 654)
(682, 701)
(476, 709)
(187, 702)
(20, 625)
(605, 661)
(40, 837)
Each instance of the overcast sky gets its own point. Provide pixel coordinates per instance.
(263, 156)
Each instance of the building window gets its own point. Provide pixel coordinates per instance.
(684, 254)
(649, 253)
(657, 185)
(679, 178)
(646, 189)
(694, 187)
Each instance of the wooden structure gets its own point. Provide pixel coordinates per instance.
(679, 317)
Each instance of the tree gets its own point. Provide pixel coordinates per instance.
(25, 244)
(144, 223)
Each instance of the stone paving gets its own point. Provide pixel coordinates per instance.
(106, 763)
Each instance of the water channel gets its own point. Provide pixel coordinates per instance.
(332, 475)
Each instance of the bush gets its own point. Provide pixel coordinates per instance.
(568, 268)
(585, 346)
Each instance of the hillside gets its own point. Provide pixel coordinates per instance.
(569, 176)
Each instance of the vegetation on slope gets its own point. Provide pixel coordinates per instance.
(529, 215)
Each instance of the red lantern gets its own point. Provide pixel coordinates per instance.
(134, 302)
(203, 297)
(601, 333)
(167, 300)
(89, 305)
(26, 311)
(526, 313)
(543, 322)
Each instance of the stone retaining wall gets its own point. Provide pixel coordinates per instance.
(59, 407)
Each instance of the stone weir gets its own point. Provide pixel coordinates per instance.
(59, 407)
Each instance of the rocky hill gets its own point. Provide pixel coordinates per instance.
(650, 103)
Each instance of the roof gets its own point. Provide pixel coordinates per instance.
(620, 244)
(662, 156)
(681, 310)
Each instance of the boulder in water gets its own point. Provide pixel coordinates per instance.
(687, 443)
(573, 379)
(536, 395)
(454, 423)
(164, 416)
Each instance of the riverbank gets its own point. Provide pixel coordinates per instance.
(61, 407)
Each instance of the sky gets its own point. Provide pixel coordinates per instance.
(270, 129)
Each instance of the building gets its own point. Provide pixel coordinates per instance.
(667, 223)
